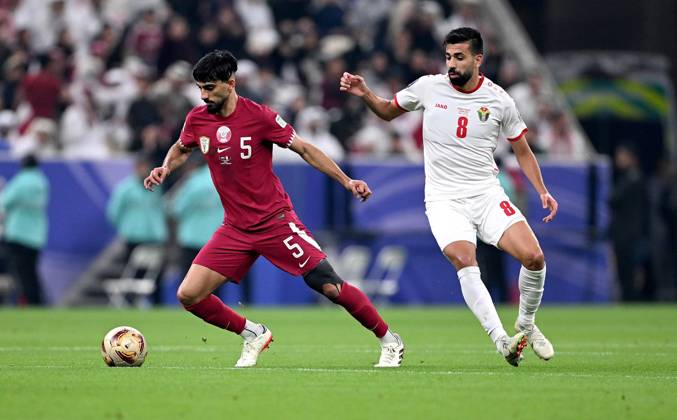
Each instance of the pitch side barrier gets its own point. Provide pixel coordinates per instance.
(386, 238)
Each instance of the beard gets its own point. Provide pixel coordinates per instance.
(459, 79)
(214, 107)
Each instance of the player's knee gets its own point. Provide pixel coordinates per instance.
(186, 298)
(331, 291)
(323, 279)
(534, 260)
(461, 261)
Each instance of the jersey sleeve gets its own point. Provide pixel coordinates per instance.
(411, 97)
(512, 125)
(278, 131)
(187, 136)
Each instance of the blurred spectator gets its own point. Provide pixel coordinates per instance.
(40, 140)
(328, 16)
(104, 43)
(145, 38)
(668, 207)
(137, 214)
(7, 125)
(23, 203)
(198, 213)
(143, 116)
(259, 25)
(466, 15)
(14, 70)
(177, 44)
(174, 95)
(232, 33)
(629, 227)
(312, 125)
(44, 20)
(83, 135)
(558, 138)
(42, 89)
(532, 99)
(331, 96)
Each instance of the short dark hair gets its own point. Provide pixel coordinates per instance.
(217, 65)
(470, 35)
(29, 161)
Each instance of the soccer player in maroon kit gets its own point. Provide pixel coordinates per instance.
(236, 137)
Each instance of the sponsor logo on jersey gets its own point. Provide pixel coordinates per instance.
(281, 122)
(223, 134)
(225, 160)
(303, 264)
(483, 113)
(204, 144)
(220, 150)
(463, 111)
(443, 106)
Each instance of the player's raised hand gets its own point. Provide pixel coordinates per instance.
(156, 177)
(359, 188)
(353, 84)
(550, 203)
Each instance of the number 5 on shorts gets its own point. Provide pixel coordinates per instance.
(296, 249)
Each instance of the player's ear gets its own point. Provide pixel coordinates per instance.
(231, 83)
(478, 59)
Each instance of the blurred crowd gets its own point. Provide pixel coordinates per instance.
(94, 79)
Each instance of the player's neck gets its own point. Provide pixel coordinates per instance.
(229, 106)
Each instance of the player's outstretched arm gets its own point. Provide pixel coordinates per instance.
(529, 165)
(323, 163)
(176, 156)
(355, 84)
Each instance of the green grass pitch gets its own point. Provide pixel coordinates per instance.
(611, 362)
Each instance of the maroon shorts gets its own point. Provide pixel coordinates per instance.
(284, 241)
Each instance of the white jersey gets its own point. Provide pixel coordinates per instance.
(460, 133)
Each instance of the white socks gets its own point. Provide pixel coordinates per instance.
(252, 330)
(388, 338)
(531, 292)
(479, 301)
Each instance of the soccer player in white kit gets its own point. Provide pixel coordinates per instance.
(464, 114)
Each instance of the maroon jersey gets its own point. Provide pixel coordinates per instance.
(239, 152)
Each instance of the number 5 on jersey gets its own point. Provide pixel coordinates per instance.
(245, 147)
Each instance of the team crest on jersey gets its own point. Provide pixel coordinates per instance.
(223, 134)
(204, 144)
(483, 113)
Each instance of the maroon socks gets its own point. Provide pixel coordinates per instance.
(215, 312)
(360, 307)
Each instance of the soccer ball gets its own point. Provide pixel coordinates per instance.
(124, 347)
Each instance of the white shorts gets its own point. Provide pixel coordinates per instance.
(487, 215)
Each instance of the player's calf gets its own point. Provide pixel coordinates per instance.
(324, 280)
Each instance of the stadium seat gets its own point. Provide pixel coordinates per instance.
(381, 281)
(138, 280)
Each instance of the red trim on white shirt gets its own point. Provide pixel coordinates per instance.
(518, 136)
(471, 90)
(398, 104)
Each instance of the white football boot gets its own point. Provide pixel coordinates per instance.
(511, 348)
(252, 348)
(541, 345)
(391, 354)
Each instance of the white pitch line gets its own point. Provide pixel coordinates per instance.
(401, 371)
(310, 349)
